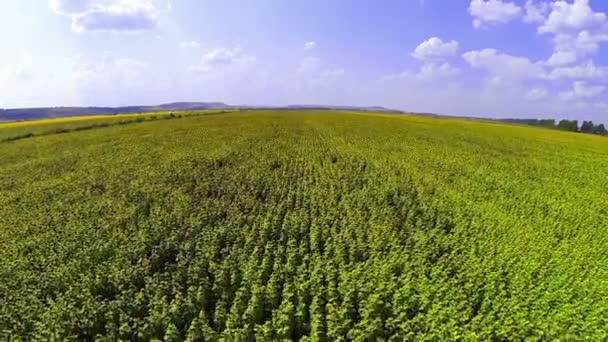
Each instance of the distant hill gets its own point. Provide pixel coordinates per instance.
(51, 112)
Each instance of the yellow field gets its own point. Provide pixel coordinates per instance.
(70, 119)
(16, 130)
(303, 226)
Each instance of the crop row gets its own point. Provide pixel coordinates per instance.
(302, 226)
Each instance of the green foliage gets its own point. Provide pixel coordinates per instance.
(587, 127)
(600, 129)
(565, 125)
(568, 125)
(548, 123)
(309, 226)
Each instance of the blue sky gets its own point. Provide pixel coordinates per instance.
(526, 58)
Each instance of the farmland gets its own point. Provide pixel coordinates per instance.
(303, 225)
(16, 130)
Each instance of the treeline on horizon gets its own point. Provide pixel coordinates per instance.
(564, 125)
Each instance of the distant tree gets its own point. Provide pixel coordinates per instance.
(547, 123)
(587, 127)
(568, 125)
(600, 129)
(550, 123)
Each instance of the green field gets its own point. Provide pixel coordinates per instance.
(304, 225)
(17, 130)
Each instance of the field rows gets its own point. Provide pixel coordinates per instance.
(17, 130)
(305, 226)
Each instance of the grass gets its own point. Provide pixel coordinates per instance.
(305, 225)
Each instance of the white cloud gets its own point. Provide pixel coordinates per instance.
(223, 60)
(586, 70)
(559, 58)
(314, 68)
(571, 47)
(431, 70)
(493, 12)
(601, 105)
(108, 15)
(309, 64)
(111, 80)
(505, 66)
(326, 77)
(107, 80)
(536, 12)
(190, 44)
(495, 81)
(333, 73)
(435, 48)
(310, 45)
(571, 17)
(437, 70)
(130, 63)
(580, 90)
(21, 70)
(313, 72)
(577, 31)
(31, 80)
(70, 6)
(398, 76)
(108, 71)
(537, 94)
(123, 16)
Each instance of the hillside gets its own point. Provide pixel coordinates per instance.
(20, 114)
(307, 225)
(53, 112)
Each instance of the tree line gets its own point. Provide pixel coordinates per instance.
(564, 125)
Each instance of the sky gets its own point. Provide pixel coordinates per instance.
(491, 58)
